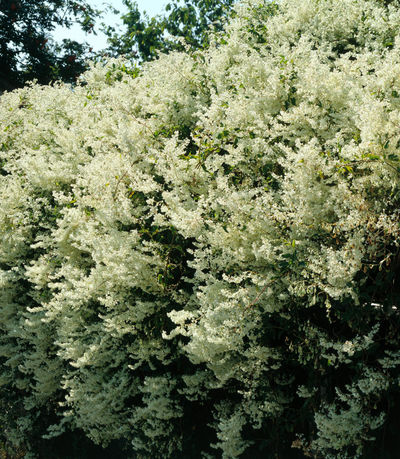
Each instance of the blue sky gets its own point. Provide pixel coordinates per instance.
(152, 7)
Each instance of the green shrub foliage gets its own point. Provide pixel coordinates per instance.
(200, 257)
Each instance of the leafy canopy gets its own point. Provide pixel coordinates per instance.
(26, 49)
(189, 21)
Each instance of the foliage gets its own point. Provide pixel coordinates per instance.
(189, 21)
(201, 257)
(27, 51)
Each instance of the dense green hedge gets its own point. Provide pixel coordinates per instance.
(200, 258)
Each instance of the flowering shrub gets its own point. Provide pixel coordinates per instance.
(200, 257)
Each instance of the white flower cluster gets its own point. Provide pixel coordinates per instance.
(190, 252)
